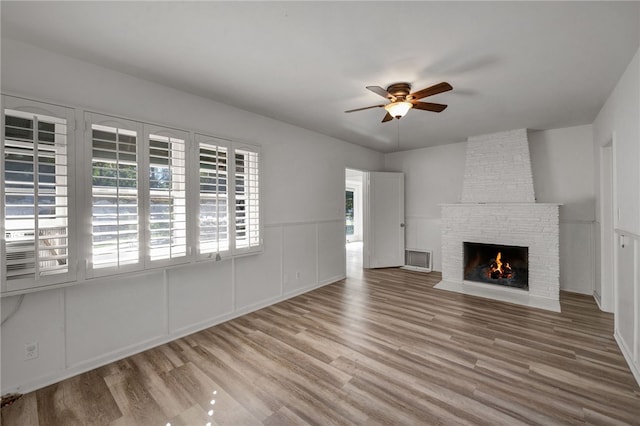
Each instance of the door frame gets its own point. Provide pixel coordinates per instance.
(608, 223)
(363, 206)
(366, 214)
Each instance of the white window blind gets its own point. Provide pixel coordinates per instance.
(149, 195)
(213, 209)
(167, 227)
(247, 198)
(35, 194)
(115, 225)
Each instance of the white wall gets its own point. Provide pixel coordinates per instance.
(619, 121)
(561, 162)
(101, 320)
(432, 176)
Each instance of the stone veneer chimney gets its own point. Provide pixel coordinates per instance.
(498, 169)
(498, 207)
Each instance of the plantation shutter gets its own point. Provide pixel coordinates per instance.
(115, 195)
(167, 210)
(35, 194)
(213, 205)
(247, 199)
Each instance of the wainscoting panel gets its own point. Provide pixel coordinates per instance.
(627, 300)
(100, 321)
(636, 355)
(625, 290)
(300, 257)
(108, 316)
(259, 277)
(199, 294)
(331, 262)
(39, 318)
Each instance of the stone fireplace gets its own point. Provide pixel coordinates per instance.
(498, 211)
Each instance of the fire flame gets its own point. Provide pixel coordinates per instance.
(500, 269)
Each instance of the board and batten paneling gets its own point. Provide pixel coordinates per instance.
(110, 316)
(627, 298)
(82, 327)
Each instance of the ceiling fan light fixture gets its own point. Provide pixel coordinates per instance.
(398, 109)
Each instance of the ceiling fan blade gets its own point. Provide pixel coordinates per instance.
(380, 91)
(430, 91)
(387, 117)
(428, 106)
(362, 109)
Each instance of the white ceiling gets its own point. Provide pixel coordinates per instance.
(538, 65)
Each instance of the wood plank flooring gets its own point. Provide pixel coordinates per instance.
(383, 347)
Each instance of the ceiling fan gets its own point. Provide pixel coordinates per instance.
(402, 100)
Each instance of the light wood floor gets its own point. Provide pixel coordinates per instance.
(381, 348)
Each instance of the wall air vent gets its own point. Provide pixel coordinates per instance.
(418, 260)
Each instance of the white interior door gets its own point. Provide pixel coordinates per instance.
(384, 220)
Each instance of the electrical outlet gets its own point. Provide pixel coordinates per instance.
(298, 275)
(30, 351)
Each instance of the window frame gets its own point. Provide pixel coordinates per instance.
(232, 147)
(150, 129)
(68, 115)
(250, 248)
(118, 123)
(198, 140)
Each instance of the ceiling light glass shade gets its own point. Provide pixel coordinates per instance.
(398, 109)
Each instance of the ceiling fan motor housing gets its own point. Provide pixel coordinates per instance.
(399, 90)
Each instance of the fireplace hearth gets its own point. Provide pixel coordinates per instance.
(497, 264)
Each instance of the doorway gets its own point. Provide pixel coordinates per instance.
(354, 224)
(374, 220)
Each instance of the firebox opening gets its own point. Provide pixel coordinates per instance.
(497, 264)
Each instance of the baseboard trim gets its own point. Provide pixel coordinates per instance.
(627, 354)
(297, 292)
(596, 297)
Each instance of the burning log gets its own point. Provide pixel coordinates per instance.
(498, 269)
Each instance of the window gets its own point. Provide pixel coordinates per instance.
(213, 203)
(247, 199)
(167, 216)
(350, 220)
(35, 194)
(229, 208)
(115, 223)
(149, 195)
